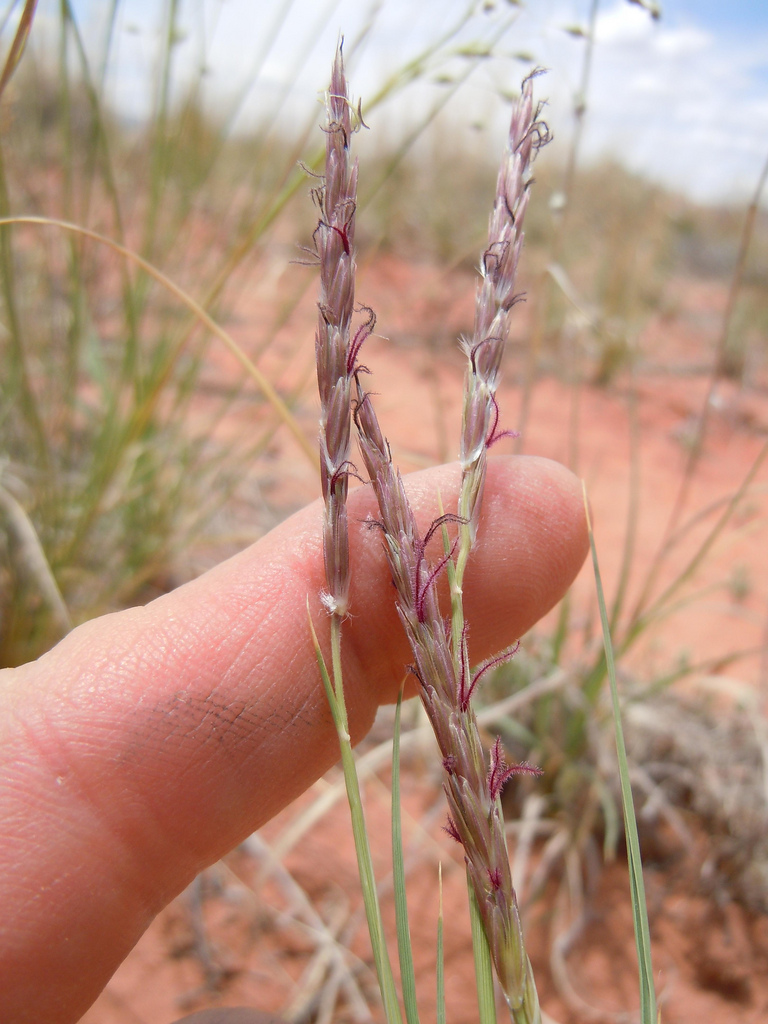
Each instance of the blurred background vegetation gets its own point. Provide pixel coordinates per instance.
(101, 463)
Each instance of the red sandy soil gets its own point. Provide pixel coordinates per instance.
(235, 940)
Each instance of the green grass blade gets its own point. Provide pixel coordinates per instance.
(362, 846)
(196, 309)
(327, 684)
(486, 1001)
(19, 43)
(648, 1011)
(633, 504)
(640, 617)
(368, 886)
(440, 1012)
(404, 949)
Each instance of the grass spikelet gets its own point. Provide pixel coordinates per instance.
(441, 660)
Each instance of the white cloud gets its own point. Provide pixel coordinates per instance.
(680, 42)
(678, 104)
(624, 24)
(670, 99)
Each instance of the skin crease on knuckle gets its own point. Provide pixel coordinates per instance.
(178, 725)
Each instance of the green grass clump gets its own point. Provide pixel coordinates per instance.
(111, 461)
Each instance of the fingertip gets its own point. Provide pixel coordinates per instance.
(532, 541)
(546, 492)
(189, 713)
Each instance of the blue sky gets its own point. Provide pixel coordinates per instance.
(720, 16)
(683, 100)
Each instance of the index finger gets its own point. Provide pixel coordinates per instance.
(149, 742)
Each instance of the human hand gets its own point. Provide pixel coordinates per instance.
(149, 742)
